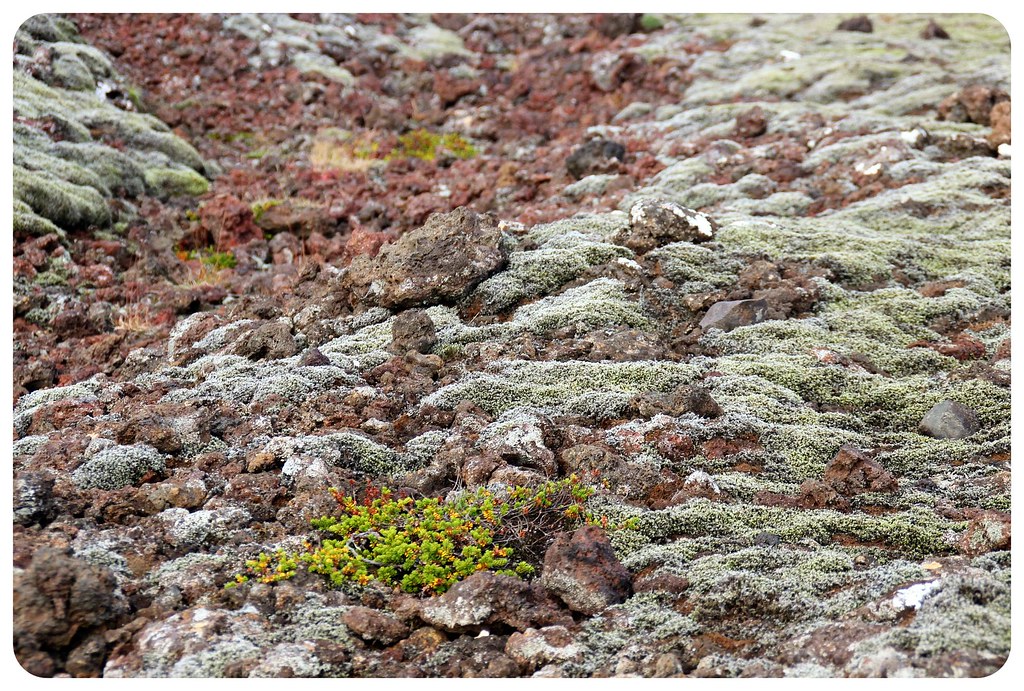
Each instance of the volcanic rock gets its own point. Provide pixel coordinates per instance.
(852, 471)
(486, 598)
(861, 23)
(412, 330)
(437, 263)
(656, 222)
(730, 314)
(595, 156)
(949, 420)
(582, 570)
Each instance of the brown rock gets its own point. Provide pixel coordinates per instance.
(612, 24)
(852, 471)
(59, 599)
(730, 314)
(988, 531)
(581, 569)
(693, 398)
(450, 89)
(861, 23)
(595, 156)
(751, 123)
(486, 598)
(1000, 119)
(657, 222)
(933, 30)
(412, 330)
(374, 626)
(297, 216)
(661, 581)
(313, 358)
(364, 241)
(438, 263)
(973, 103)
(272, 340)
(228, 222)
(534, 648)
(815, 494)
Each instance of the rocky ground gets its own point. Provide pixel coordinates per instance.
(740, 283)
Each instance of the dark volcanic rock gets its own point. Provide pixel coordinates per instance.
(730, 314)
(486, 598)
(33, 499)
(949, 420)
(596, 156)
(616, 24)
(861, 23)
(933, 30)
(374, 626)
(313, 358)
(973, 103)
(657, 222)
(438, 263)
(412, 330)
(581, 569)
(59, 599)
(988, 531)
(1000, 118)
(852, 471)
(751, 123)
(270, 341)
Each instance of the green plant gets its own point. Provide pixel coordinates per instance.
(259, 208)
(426, 545)
(214, 259)
(427, 146)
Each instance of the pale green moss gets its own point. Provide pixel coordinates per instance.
(318, 63)
(115, 169)
(40, 161)
(915, 531)
(645, 616)
(429, 42)
(695, 268)
(66, 204)
(28, 222)
(968, 612)
(593, 227)
(169, 182)
(600, 303)
(533, 273)
(571, 387)
(117, 467)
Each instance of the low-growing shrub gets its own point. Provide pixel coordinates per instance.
(427, 146)
(426, 545)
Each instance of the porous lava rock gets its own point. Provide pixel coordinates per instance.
(59, 603)
(657, 222)
(595, 157)
(860, 23)
(412, 330)
(1000, 119)
(973, 103)
(730, 314)
(852, 471)
(437, 263)
(949, 420)
(485, 599)
(581, 569)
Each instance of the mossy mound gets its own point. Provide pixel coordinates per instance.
(74, 149)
